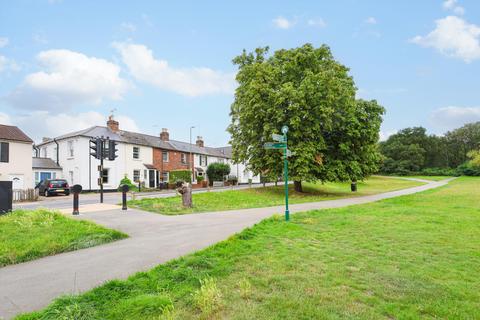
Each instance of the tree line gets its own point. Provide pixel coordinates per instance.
(412, 150)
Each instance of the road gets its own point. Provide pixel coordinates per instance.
(154, 239)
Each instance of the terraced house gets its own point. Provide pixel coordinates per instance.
(141, 157)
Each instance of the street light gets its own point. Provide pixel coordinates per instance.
(190, 160)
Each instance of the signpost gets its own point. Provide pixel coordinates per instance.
(101, 148)
(282, 144)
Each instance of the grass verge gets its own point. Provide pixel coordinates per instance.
(403, 258)
(26, 235)
(269, 196)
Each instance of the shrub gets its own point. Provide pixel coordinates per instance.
(217, 171)
(200, 179)
(181, 175)
(128, 182)
(467, 169)
(439, 172)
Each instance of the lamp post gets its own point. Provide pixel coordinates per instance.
(190, 160)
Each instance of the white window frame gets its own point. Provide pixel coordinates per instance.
(166, 174)
(163, 156)
(136, 154)
(71, 149)
(136, 177)
(183, 158)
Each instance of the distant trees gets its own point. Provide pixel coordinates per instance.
(332, 135)
(412, 150)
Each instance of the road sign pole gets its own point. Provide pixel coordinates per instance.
(285, 163)
(101, 172)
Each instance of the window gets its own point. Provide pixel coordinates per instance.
(37, 177)
(136, 175)
(70, 148)
(105, 175)
(165, 156)
(54, 175)
(203, 160)
(144, 174)
(4, 152)
(136, 153)
(165, 176)
(184, 158)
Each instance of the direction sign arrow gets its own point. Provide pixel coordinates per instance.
(274, 145)
(277, 137)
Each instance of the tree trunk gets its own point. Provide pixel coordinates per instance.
(298, 186)
(186, 191)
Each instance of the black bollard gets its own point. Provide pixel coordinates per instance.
(76, 189)
(139, 186)
(353, 186)
(125, 189)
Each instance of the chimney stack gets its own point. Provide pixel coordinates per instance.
(199, 141)
(46, 139)
(164, 136)
(112, 124)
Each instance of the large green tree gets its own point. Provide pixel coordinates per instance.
(333, 136)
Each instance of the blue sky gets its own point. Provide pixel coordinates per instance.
(65, 64)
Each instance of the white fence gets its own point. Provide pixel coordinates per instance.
(25, 195)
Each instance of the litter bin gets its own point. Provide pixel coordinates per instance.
(6, 196)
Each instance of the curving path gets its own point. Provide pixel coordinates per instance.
(154, 239)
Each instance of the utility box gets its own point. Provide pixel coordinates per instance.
(6, 197)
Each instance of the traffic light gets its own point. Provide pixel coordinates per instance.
(112, 151)
(96, 148)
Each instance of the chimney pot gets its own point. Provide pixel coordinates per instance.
(199, 141)
(112, 124)
(164, 135)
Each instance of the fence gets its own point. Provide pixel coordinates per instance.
(25, 195)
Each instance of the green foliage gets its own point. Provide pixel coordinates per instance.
(333, 135)
(180, 175)
(217, 171)
(26, 235)
(439, 172)
(411, 257)
(128, 182)
(200, 179)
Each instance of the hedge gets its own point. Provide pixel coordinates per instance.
(180, 175)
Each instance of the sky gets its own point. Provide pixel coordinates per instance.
(66, 65)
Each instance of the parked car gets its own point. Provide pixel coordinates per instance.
(54, 186)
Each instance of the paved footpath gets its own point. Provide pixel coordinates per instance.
(154, 239)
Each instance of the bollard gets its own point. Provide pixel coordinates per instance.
(353, 186)
(125, 189)
(76, 189)
(139, 186)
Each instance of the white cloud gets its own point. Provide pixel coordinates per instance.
(317, 23)
(69, 78)
(283, 23)
(40, 124)
(5, 119)
(40, 38)
(453, 37)
(8, 64)
(3, 42)
(128, 26)
(370, 20)
(452, 5)
(186, 81)
(454, 117)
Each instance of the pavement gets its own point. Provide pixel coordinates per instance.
(154, 239)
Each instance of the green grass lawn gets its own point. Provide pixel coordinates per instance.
(269, 196)
(410, 257)
(27, 235)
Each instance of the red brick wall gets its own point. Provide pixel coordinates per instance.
(174, 160)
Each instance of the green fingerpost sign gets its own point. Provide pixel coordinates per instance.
(282, 144)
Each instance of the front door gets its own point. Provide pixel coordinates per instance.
(17, 181)
(45, 176)
(151, 178)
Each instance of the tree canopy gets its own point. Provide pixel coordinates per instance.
(333, 136)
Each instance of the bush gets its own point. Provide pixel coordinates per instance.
(439, 172)
(180, 175)
(467, 169)
(200, 179)
(128, 182)
(217, 171)
(232, 180)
